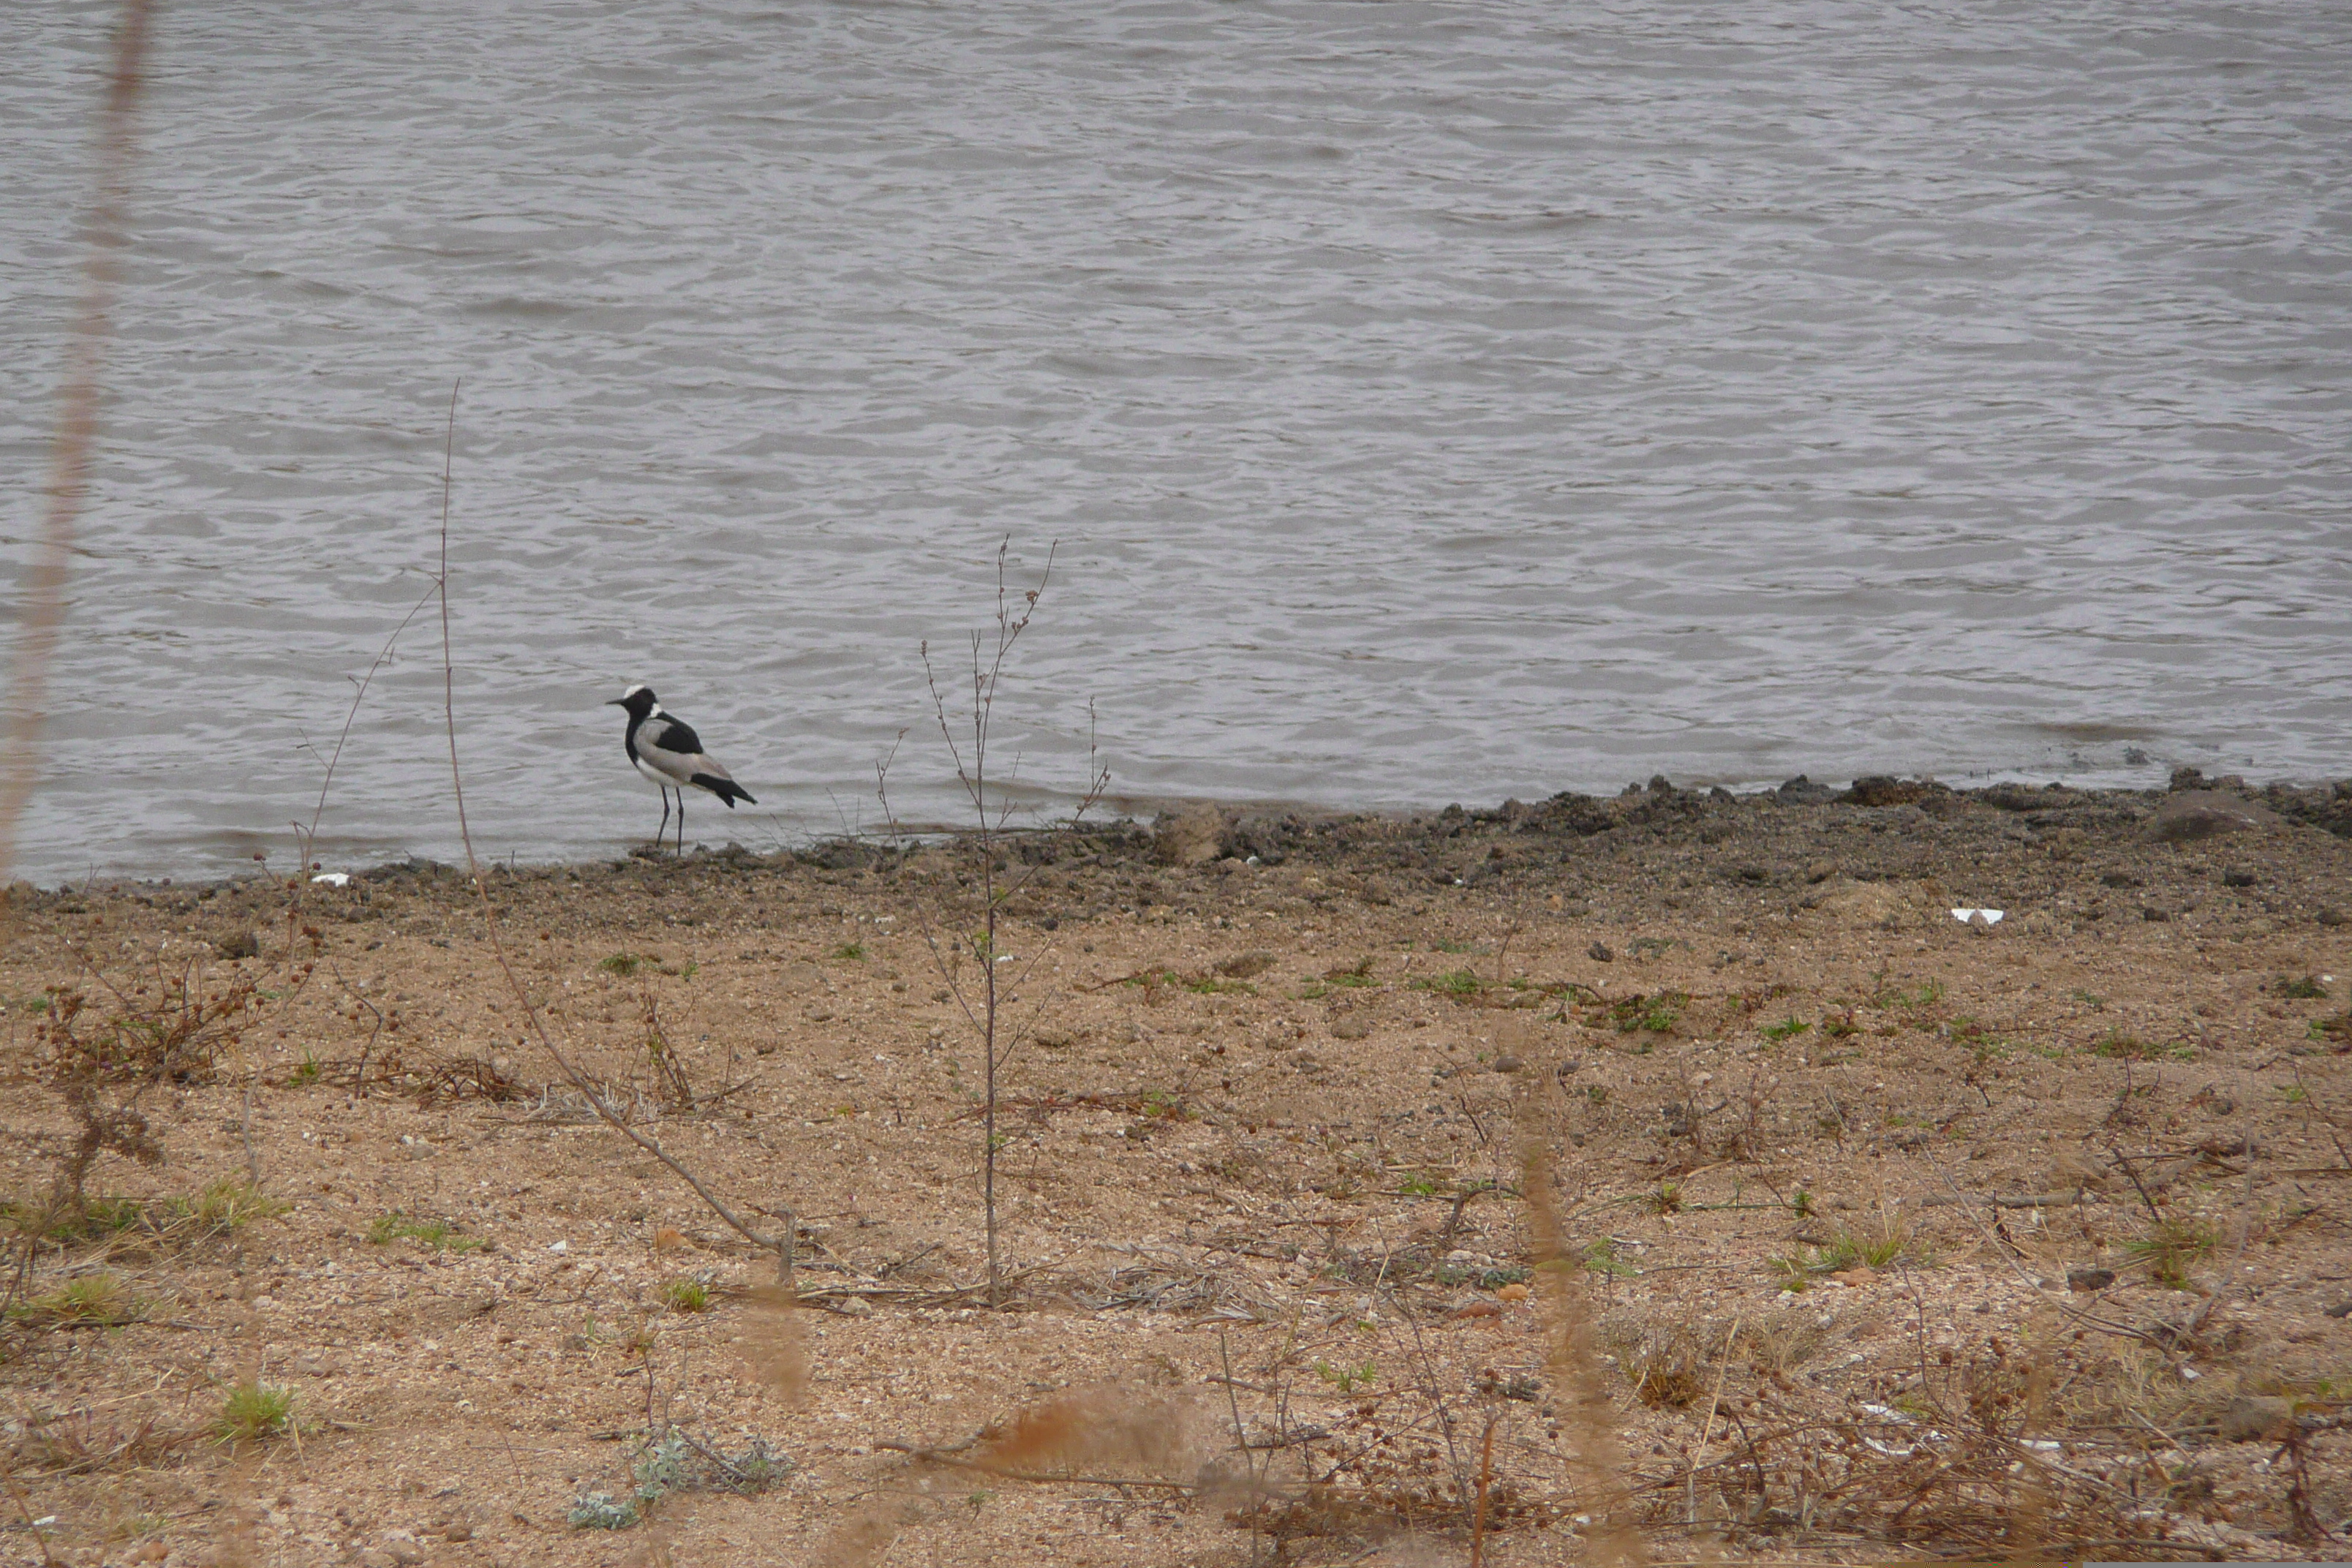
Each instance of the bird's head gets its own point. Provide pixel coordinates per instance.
(639, 699)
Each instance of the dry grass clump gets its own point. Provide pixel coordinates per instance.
(1961, 1460)
(1781, 1341)
(88, 1298)
(225, 1207)
(1670, 1365)
(54, 1444)
(122, 1225)
(1882, 1240)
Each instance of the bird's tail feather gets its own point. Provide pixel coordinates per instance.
(727, 790)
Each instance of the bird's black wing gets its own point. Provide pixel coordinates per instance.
(672, 735)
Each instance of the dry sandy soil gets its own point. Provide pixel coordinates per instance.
(1674, 1161)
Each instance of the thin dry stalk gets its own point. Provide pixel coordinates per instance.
(779, 1244)
(1586, 1408)
(770, 1344)
(1241, 1440)
(1485, 1479)
(70, 449)
(305, 837)
(1714, 1405)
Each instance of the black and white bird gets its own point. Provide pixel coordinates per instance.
(668, 751)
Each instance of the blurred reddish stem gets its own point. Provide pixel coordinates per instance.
(42, 608)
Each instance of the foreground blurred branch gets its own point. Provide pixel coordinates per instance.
(43, 604)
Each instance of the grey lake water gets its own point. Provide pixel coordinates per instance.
(1429, 402)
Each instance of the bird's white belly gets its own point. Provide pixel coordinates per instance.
(653, 775)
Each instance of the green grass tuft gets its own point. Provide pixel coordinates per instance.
(2170, 1246)
(1347, 1378)
(436, 1233)
(228, 1206)
(1650, 1014)
(88, 1298)
(256, 1409)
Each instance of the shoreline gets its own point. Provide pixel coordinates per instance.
(2326, 804)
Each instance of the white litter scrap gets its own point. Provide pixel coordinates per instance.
(1889, 1413)
(334, 878)
(1979, 917)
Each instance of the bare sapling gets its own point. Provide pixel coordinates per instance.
(961, 935)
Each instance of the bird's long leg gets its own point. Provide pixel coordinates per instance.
(664, 828)
(681, 821)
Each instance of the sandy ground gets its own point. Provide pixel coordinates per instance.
(1877, 1235)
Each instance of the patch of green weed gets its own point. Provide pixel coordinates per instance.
(1600, 1257)
(1347, 1378)
(1454, 982)
(1655, 1015)
(2170, 1246)
(1210, 985)
(601, 1510)
(227, 1206)
(252, 1409)
(101, 1298)
(437, 1234)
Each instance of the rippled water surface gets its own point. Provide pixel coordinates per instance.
(1431, 402)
